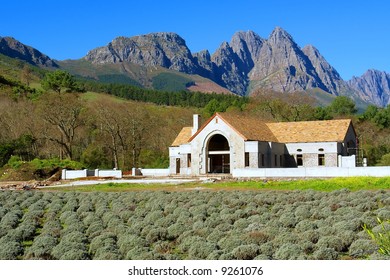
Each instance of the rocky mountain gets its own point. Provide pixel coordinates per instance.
(168, 50)
(373, 86)
(15, 49)
(245, 64)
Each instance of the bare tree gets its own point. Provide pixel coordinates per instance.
(62, 113)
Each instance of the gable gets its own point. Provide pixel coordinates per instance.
(248, 128)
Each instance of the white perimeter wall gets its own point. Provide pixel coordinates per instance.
(303, 172)
(74, 174)
(154, 172)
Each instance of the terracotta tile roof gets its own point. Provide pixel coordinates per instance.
(310, 131)
(249, 128)
(183, 137)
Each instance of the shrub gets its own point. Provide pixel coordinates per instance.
(71, 247)
(75, 226)
(362, 248)
(288, 251)
(25, 231)
(104, 244)
(128, 242)
(139, 253)
(215, 255)
(325, 254)
(74, 254)
(163, 247)
(381, 235)
(10, 250)
(156, 234)
(303, 212)
(94, 229)
(11, 219)
(246, 252)
(200, 249)
(241, 224)
(257, 237)
(175, 230)
(286, 237)
(33, 216)
(89, 218)
(332, 242)
(107, 253)
(52, 227)
(42, 247)
(305, 225)
(230, 242)
(383, 214)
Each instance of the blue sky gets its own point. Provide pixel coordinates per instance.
(352, 35)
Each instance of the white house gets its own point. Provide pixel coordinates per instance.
(227, 142)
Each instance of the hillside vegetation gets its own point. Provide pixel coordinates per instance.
(46, 115)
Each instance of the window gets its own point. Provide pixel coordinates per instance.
(300, 160)
(246, 159)
(189, 160)
(320, 149)
(262, 160)
(281, 160)
(321, 160)
(276, 160)
(299, 150)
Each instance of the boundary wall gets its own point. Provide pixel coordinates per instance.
(311, 172)
(74, 174)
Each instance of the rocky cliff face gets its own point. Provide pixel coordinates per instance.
(373, 86)
(282, 65)
(168, 50)
(15, 49)
(277, 63)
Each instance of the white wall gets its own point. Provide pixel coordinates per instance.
(154, 172)
(108, 173)
(311, 172)
(74, 174)
(349, 161)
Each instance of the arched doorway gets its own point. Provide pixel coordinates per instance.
(218, 155)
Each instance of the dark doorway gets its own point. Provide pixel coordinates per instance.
(178, 166)
(218, 155)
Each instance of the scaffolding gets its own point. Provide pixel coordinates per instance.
(359, 152)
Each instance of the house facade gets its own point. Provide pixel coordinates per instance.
(226, 142)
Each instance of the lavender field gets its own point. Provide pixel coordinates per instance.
(165, 225)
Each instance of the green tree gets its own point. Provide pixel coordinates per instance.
(342, 106)
(385, 160)
(370, 112)
(59, 81)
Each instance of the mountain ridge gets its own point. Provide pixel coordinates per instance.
(11, 47)
(245, 64)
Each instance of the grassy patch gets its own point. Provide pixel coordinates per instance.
(324, 185)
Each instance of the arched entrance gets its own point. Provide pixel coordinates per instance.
(218, 155)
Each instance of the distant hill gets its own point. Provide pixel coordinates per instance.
(246, 64)
(15, 49)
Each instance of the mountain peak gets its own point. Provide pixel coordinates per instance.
(166, 49)
(11, 47)
(280, 34)
(373, 86)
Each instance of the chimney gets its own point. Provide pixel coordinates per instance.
(195, 125)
